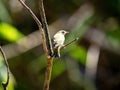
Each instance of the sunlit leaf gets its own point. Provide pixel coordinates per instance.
(9, 32)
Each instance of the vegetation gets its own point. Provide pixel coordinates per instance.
(91, 63)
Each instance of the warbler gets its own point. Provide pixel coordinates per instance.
(58, 42)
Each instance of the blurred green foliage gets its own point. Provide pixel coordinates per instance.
(9, 33)
(79, 53)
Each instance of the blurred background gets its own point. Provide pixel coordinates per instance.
(91, 63)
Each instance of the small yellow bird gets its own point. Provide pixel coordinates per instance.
(58, 42)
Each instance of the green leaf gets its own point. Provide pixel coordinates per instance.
(79, 53)
(10, 33)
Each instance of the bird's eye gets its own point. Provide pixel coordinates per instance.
(63, 32)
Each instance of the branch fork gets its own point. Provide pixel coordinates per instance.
(47, 44)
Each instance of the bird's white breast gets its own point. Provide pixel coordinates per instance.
(59, 39)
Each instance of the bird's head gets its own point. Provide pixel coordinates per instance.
(63, 32)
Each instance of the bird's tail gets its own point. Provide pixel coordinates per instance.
(57, 52)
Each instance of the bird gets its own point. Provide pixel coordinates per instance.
(58, 42)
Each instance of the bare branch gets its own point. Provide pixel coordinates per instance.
(45, 27)
(69, 43)
(5, 84)
(49, 47)
(48, 74)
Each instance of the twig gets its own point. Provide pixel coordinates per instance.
(5, 84)
(45, 27)
(69, 43)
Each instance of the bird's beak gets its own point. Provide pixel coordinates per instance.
(66, 32)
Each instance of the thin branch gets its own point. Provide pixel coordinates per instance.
(69, 43)
(44, 44)
(45, 27)
(48, 74)
(49, 47)
(5, 84)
